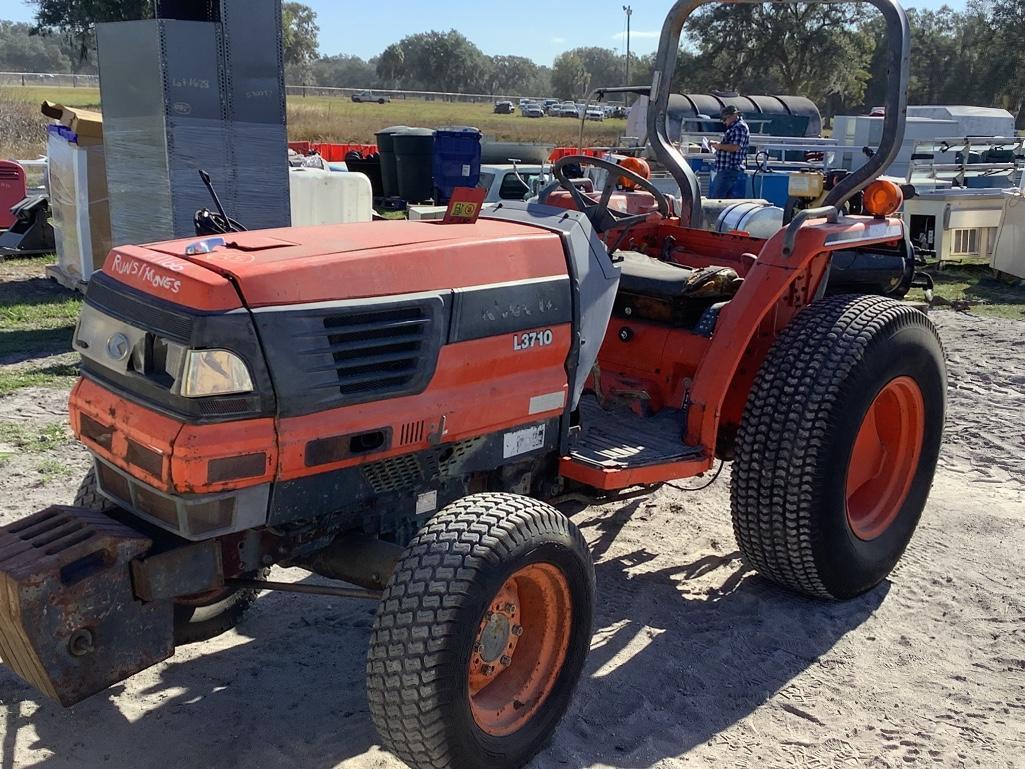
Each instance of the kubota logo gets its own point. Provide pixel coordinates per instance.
(118, 346)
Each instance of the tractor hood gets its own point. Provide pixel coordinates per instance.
(349, 261)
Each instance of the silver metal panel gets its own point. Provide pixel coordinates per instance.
(254, 105)
(180, 96)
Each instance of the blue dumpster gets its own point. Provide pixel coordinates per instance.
(456, 160)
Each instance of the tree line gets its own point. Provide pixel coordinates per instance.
(833, 54)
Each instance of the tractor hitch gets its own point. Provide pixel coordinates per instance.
(71, 624)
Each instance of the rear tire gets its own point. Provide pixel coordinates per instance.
(838, 445)
(481, 635)
(193, 622)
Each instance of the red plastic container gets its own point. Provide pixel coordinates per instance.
(560, 152)
(12, 190)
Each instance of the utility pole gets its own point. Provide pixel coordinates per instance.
(629, 12)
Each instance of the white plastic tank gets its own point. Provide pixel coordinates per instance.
(319, 196)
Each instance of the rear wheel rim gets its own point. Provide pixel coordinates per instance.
(885, 458)
(520, 649)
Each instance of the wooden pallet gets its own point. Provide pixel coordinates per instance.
(57, 273)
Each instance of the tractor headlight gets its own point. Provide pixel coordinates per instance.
(214, 372)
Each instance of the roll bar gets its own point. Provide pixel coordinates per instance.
(899, 53)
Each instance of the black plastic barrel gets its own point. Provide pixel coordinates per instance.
(369, 167)
(385, 148)
(414, 158)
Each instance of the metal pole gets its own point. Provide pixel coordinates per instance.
(629, 12)
(291, 587)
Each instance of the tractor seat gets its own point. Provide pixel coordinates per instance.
(646, 276)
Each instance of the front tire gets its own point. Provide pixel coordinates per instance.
(838, 445)
(481, 635)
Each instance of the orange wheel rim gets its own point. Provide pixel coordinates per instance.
(885, 458)
(519, 649)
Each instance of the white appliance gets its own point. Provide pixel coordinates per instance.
(954, 225)
(1009, 249)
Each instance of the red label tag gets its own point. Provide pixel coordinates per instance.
(464, 206)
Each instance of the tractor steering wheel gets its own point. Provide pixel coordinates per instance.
(602, 217)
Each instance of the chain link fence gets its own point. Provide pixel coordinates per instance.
(68, 80)
(54, 80)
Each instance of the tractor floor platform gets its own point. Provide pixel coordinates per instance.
(617, 439)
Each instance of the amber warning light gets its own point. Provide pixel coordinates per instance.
(882, 198)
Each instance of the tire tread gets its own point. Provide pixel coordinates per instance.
(410, 663)
(786, 426)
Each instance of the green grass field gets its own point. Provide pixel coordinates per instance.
(338, 119)
(975, 289)
(37, 320)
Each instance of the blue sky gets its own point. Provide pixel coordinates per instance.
(539, 29)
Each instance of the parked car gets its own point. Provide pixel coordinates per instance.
(567, 109)
(532, 110)
(595, 113)
(370, 96)
(504, 108)
(509, 182)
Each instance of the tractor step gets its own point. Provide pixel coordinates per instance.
(621, 439)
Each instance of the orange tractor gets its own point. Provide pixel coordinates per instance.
(394, 405)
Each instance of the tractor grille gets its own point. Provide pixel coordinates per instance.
(393, 474)
(377, 352)
(353, 351)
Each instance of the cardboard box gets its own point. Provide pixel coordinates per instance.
(88, 125)
(78, 191)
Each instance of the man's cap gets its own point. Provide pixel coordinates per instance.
(729, 109)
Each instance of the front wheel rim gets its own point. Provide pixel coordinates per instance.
(520, 649)
(884, 458)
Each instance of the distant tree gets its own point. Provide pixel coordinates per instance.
(811, 50)
(604, 66)
(22, 51)
(391, 65)
(344, 71)
(541, 83)
(934, 41)
(512, 75)
(570, 77)
(955, 58)
(1008, 23)
(434, 61)
(301, 40)
(77, 19)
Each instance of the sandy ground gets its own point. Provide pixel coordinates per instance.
(695, 662)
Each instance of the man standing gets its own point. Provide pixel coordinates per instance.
(730, 156)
